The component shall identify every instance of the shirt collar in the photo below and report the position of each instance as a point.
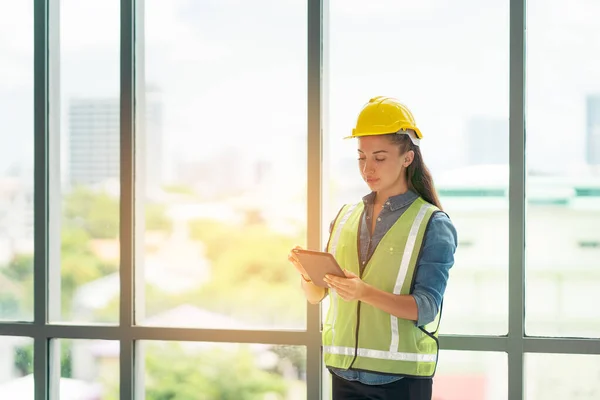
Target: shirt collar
(395, 202)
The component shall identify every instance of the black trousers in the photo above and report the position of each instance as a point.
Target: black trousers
(403, 389)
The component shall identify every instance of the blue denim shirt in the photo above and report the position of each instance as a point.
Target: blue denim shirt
(437, 257)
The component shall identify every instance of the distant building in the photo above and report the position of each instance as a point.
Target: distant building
(94, 155)
(593, 130)
(16, 214)
(94, 141)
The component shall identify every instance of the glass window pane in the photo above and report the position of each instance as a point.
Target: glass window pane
(89, 114)
(89, 369)
(563, 181)
(16, 161)
(562, 376)
(456, 84)
(470, 375)
(214, 371)
(16, 368)
(224, 163)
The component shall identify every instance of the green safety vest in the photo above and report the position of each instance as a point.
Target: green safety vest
(359, 336)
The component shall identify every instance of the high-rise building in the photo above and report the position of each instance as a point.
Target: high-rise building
(93, 140)
(94, 151)
(487, 141)
(593, 130)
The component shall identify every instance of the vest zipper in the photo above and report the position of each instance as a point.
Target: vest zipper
(361, 269)
(356, 338)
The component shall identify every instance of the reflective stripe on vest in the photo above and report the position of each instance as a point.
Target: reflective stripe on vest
(338, 231)
(408, 250)
(382, 355)
(334, 243)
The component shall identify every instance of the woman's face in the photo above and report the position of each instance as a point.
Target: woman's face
(381, 164)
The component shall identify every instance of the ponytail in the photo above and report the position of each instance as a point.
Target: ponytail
(418, 176)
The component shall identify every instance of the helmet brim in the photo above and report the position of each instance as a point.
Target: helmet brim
(416, 138)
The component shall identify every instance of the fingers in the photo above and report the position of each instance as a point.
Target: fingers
(346, 288)
(331, 282)
(350, 274)
(296, 263)
(292, 256)
(346, 296)
(337, 283)
(337, 280)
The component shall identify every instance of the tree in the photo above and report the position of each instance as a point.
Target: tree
(95, 212)
(218, 237)
(179, 189)
(91, 215)
(215, 374)
(18, 300)
(9, 305)
(251, 277)
(20, 268)
(296, 355)
(79, 265)
(156, 218)
(24, 359)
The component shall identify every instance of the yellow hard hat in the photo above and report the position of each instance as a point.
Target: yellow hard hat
(384, 115)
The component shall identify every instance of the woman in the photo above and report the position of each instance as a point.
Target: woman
(396, 247)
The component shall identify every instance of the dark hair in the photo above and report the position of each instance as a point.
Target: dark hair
(418, 175)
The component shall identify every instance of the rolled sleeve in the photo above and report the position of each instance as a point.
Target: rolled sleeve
(437, 257)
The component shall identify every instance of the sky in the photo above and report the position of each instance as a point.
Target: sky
(232, 73)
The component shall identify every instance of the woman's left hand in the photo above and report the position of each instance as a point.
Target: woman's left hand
(349, 288)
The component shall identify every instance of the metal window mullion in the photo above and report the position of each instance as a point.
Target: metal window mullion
(517, 175)
(139, 187)
(127, 198)
(295, 338)
(314, 181)
(550, 345)
(183, 334)
(45, 41)
(473, 343)
(561, 345)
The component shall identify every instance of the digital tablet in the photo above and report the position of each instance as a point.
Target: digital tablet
(317, 264)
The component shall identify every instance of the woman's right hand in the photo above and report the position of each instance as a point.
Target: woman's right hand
(314, 294)
(294, 260)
